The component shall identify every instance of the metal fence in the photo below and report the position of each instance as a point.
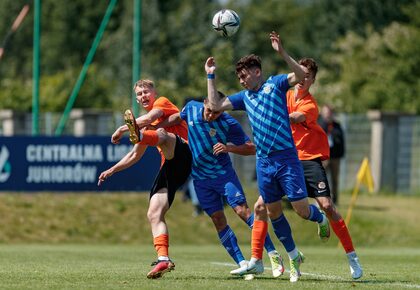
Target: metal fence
(357, 129)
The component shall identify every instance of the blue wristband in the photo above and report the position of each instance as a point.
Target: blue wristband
(211, 76)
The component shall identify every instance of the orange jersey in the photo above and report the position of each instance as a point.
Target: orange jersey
(310, 139)
(168, 108)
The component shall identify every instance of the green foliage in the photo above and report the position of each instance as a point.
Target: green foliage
(332, 19)
(16, 94)
(349, 39)
(377, 72)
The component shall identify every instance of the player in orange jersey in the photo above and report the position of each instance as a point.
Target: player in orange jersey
(175, 165)
(312, 146)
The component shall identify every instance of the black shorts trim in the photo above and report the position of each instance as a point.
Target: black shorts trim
(175, 172)
(315, 178)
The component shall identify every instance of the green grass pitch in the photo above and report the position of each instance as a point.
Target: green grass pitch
(197, 267)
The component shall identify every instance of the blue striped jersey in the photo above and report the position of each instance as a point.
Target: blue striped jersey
(203, 135)
(267, 114)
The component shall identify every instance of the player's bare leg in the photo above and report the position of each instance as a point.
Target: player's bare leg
(302, 208)
(166, 143)
(158, 207)
(341, 230)
(259, 231)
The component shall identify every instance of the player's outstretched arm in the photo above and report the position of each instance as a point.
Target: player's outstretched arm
(297, 117)
(215, 102)
(172, 120)
(128, 160)
(149, 118)
(298, 73)
(245, 149)
(117, 135)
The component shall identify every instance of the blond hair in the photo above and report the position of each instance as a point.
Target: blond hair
(144, 83)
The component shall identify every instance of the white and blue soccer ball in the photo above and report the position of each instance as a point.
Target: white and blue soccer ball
(226, 22)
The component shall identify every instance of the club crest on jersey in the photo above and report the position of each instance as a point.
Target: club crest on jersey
(212, 132)
(321, 185)
(267, 89)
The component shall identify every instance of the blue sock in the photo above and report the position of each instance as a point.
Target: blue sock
(268, 243)
(284, 232)
(315, 215)
(228, 239)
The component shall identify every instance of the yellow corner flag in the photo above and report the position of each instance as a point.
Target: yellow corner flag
(364, 176)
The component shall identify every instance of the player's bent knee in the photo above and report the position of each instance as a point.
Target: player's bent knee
(303, 213)
(243, 211)
(219, 220)
(328, 208)
(155, 215)
(259, 207)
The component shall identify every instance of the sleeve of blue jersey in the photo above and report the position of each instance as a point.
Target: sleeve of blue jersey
(237, 101)
(183, 113)
(281, 82)
(236, 134)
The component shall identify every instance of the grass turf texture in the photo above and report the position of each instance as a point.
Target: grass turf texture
(103, 241)
(197, 267)
(377, 220)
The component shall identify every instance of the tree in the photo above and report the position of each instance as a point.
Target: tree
(379, 71)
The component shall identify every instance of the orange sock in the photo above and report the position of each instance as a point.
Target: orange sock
(259, 231)
(161, 244)
(150, 137)
(342, 232)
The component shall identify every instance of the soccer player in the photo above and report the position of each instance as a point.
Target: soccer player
(336, 141)
(212, 135)
(312, 147)
(175, 167)
(278, 168)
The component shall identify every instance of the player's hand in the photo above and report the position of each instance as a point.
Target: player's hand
(104, 175)
(210, 65)
(116, 137)
(219, 148)
(276, 41)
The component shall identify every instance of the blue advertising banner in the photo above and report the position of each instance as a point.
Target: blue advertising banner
(71, 164)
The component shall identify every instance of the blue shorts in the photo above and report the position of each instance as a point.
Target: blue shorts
(281, 174)
(211, 193)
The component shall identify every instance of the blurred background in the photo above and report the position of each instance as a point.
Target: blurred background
(67, 68)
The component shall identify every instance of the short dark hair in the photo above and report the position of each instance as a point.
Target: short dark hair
(310, 64)
(248, 62)
(219, 94)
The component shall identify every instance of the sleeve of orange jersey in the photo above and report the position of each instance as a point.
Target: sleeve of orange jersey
(166, 106)
(310, 111)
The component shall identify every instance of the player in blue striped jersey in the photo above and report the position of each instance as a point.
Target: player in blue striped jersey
(211, 136)
(279, 171)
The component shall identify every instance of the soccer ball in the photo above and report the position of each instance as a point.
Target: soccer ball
(226, 22)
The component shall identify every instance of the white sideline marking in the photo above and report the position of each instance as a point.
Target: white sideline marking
(328, 277)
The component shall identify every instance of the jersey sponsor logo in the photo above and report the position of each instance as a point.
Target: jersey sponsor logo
(238, 194)
(191, 123)
(300, 190)
(212, 132)
(5, 167)
(322, 185)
